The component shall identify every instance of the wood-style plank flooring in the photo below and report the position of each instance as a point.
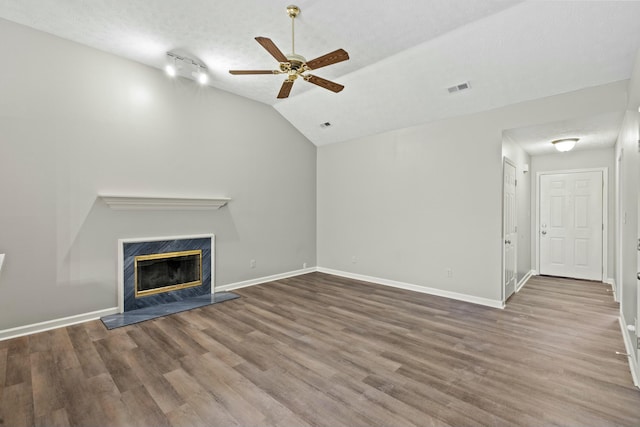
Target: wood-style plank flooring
(326, 351)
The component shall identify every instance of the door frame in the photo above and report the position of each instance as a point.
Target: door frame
(506, 160)
(605, 214)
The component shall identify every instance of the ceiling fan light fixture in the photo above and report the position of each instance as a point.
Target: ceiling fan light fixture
(565, 144)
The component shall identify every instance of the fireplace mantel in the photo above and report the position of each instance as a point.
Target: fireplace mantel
(163, 203)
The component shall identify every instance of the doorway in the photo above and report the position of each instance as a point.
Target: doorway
(509, 229)
(571, 224)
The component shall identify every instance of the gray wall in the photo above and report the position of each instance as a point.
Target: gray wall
(628, 199)
(629, 173)
(76, 122)
(409, 204)
(578, 160)
(521, 158)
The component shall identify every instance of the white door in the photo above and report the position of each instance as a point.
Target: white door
(571, 226)
(509, 226)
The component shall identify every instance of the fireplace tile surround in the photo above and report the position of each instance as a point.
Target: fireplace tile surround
(130, 248)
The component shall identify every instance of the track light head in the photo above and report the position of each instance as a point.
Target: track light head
(203, 78)
(170, 69)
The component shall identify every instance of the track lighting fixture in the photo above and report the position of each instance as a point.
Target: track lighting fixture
(181, 65)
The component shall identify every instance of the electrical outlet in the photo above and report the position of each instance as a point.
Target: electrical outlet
(304, 265)
(449, 272)
(252, 263)
(354, 259)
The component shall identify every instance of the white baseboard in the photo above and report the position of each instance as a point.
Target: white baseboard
(612, 282)
(34, 328)
(524, 280)
(259, 280)
(415, 288)
(630, 349)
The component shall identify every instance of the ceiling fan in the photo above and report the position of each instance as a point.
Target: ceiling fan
(294, 65)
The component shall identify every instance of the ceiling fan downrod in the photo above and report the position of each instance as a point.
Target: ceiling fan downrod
(293, 11)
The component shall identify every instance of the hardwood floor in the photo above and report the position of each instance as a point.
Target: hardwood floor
(327, 351)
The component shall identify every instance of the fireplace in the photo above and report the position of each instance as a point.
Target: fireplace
(167, 272)
(160, 270)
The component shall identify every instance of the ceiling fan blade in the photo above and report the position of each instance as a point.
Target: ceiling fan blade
(327, 84)
(272, 49)
(328, 59)
(242, 72)
(285, 89)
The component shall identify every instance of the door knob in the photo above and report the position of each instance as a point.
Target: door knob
(507, 242)
(543, 232)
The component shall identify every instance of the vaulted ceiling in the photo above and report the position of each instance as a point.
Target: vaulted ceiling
(404, 55)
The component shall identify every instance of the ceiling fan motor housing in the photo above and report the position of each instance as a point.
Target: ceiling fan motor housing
(296, 61)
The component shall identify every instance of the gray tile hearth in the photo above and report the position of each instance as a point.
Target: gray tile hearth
(135, 316)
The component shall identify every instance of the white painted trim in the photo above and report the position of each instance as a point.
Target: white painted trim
(120, 271)
(415, 288)
(605, 223)
(524, 280)
(605, 213)
(537, 228)
(629, 347)
(54, 324)
(163, 203)
(611, 281)
(265, 279)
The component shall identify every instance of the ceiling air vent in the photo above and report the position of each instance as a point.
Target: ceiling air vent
(459, 87)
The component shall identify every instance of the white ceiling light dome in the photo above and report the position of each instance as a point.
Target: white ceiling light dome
(565, 144)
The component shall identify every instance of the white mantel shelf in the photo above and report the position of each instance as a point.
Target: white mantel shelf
(163, 203)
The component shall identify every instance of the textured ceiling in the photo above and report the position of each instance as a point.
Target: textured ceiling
(403, 54)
